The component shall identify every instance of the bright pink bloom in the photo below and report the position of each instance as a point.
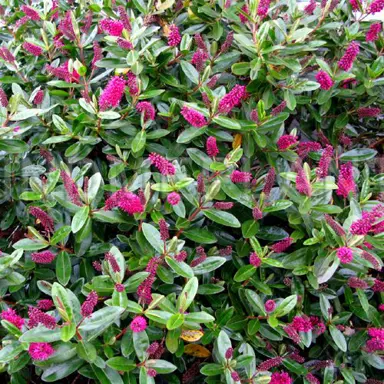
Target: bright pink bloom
(35, 50)
(318, 326)
(373, 33)
(349, 57)
(245, 9)
(211, 147)
(345, 255)
(71, 188)
(292, 334)
(270, 363)
(212, 81)
(375, 264)
(229, 353)
(227, 43)
(257, 214)
(138, 324)
(254, 260)
(151, 372)
(354, 5)
(30, 12)
(147, 108)
(240, 177)
(282, 245)
(89, 304)
(21, 22)
(302, 324)
(232, 99)
(334, 225)
(346, 182)
(376, 6)
(196, 119)
(153, 347)
(66, 27)
(263, 8)
(345, 140)
(181, 256)
(280, 108)
(368, 112)
(303, 186)
(227, 251)
(112, 262)
(199, 58)
(280, 378)
(45, 304)
(269, 306)
(44, 257)
(254, 116)
(174, 36)
(120, 287)
(200, 42)
(310, 8)
(325, 162)
(286, 141)
(269, 181)
(40, 351)
(63, 73)
(97, 265)
(202, 256)
(235, 376)
(162, 164)
(200, 184)
(144, 291)
(364, 225)
(6, 55)
(45, 220)
(11, 316)
(38, 99)
(378, 286)
(223, 205)
(112, 27)
(164, 233)
(132, 84)
(124, 44)
(312, 378)
(173, 198)
(324, 80)
(36, 317)
(381, 307)
(112, 93)
(97, 54)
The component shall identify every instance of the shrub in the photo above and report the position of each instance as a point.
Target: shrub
(191, 192)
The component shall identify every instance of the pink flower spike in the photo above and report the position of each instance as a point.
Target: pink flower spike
(38, 99)
(346, 62)
(112, 93)
(120, 287)
(199, 58)
(211, 147)
(240, 177)
(174, 36)
(71, 188)
(269, 306)
(282, 245)
(270, 363)
(40, 351)
(310, 8)
(302, 324)
(196, 119)
(345, 255)
(3, 98)
(269, 181)
(33, 49)
(232, 99)
(286, 142)
(112, 262)
(31, 13)
(280, 378)
(254, 260)
(112, 27)
(36, 317)
(45, 220)
(368, 112)
(162, 164)
(354, 5)
(11, 316)
(263, 8)
(223, 205)
(44, 257)
(376, 6)
(303, 185)
(245, 9)
(346, 182)
(147, 108)
(173, 198)
(89, 304)
(325, 162)
(280, 108)
(373, 33)
(324, 80)
(138, 324)
(45, 304)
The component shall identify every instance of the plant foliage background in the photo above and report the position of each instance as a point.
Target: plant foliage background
(191, 191)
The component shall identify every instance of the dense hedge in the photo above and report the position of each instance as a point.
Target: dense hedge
(190, 191)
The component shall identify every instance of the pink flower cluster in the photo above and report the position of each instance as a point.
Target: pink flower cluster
(376, 6)
(257, 213)
(144, 291)
(232, 99)
(36, 317)
(31, 13)
(181, 256)
(147, 108)
(33, 49)
(38, 99)
(303, 185)
(310, 8)
(280, 108)
(334, 225)
(202, 256)
(89, 304)
(282, 245)
(11, 316)
(45, 220)
(245, 9)
(196, 119)
(270, 363)
(173, 198)
(199, 58)
(325, 162)
(349, 57)
(285, 142)
(112, 27)
(254, 260)
(211, 147)
(111, 259)
(345, 254)
(223, 205)
(45, 304)
(71, 188)
(174, 37)
(376, 341)
(346, 182)
(373, 32)
(132, 84)
(263, 8)
(63, 73)
(162, 164)
(240, 177)
(127, 201)
(302, 324)
(44, 257)
(138, 324)
(229, 353)
(269, 307)
(269, 181)
(112, 93)
(280, 378)
(368, 112)
(66, 27)
(164, 233)
(40, 351)
(367, 223)
(324, 80)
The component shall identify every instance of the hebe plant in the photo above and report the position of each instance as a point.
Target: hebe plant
(191, 191)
